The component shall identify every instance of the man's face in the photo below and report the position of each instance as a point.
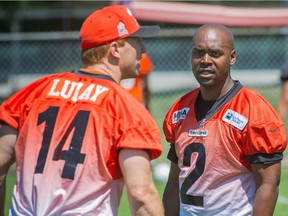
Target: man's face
(212, 56)
(130, 57)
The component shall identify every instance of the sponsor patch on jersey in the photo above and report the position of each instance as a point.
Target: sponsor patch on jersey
(201, 123)
(197, 133)
(237, 120)
(179, 114)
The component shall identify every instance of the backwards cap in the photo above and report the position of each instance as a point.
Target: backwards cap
(112, 23)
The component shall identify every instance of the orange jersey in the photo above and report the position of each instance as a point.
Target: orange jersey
(136, 85)
(214, 154)
(71, 128)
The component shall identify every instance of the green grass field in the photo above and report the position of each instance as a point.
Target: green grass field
(281, 207)
(160, 103)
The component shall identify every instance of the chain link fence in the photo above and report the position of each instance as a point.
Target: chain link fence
(260, 54)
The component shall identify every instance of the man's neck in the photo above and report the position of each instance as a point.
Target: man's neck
(107, 70)
(210, 93)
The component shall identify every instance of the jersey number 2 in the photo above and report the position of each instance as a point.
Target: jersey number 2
(194, 175)
(73, 155)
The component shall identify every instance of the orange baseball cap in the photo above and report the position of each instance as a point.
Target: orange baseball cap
(112, 23)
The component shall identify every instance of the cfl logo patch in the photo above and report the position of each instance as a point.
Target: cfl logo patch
(180, 114)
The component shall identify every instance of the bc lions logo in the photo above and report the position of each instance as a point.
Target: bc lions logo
(179, 114)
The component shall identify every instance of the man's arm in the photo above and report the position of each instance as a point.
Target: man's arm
(8, 137)
(267, 177)
(142, 194)
(171, 198)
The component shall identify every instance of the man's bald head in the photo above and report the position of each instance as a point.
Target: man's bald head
(213, 30)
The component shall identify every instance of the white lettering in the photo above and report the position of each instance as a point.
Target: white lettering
(87, 92)
(52, 90)
(71, 90)
(64, 93)
(78, 88)
(99, 90)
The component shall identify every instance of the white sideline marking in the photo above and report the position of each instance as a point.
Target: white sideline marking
(283, 200)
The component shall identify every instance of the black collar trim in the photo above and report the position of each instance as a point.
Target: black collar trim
(97, 76)
(221, 101)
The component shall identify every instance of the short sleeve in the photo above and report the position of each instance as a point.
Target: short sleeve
(167, 129)
(136, 127)
(17, 104)
(266, 132)
(142, 137)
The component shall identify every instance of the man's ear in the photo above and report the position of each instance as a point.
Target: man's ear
(114, 49)
(232, 57)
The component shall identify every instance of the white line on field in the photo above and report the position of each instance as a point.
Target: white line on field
(283, 200)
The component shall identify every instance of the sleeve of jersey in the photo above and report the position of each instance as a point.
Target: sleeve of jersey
(138, 129)
(10, 109)
(168, 132)
(266, 133)
(9, 114)
(167, 128)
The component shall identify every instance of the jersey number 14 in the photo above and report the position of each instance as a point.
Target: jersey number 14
(73, 155)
